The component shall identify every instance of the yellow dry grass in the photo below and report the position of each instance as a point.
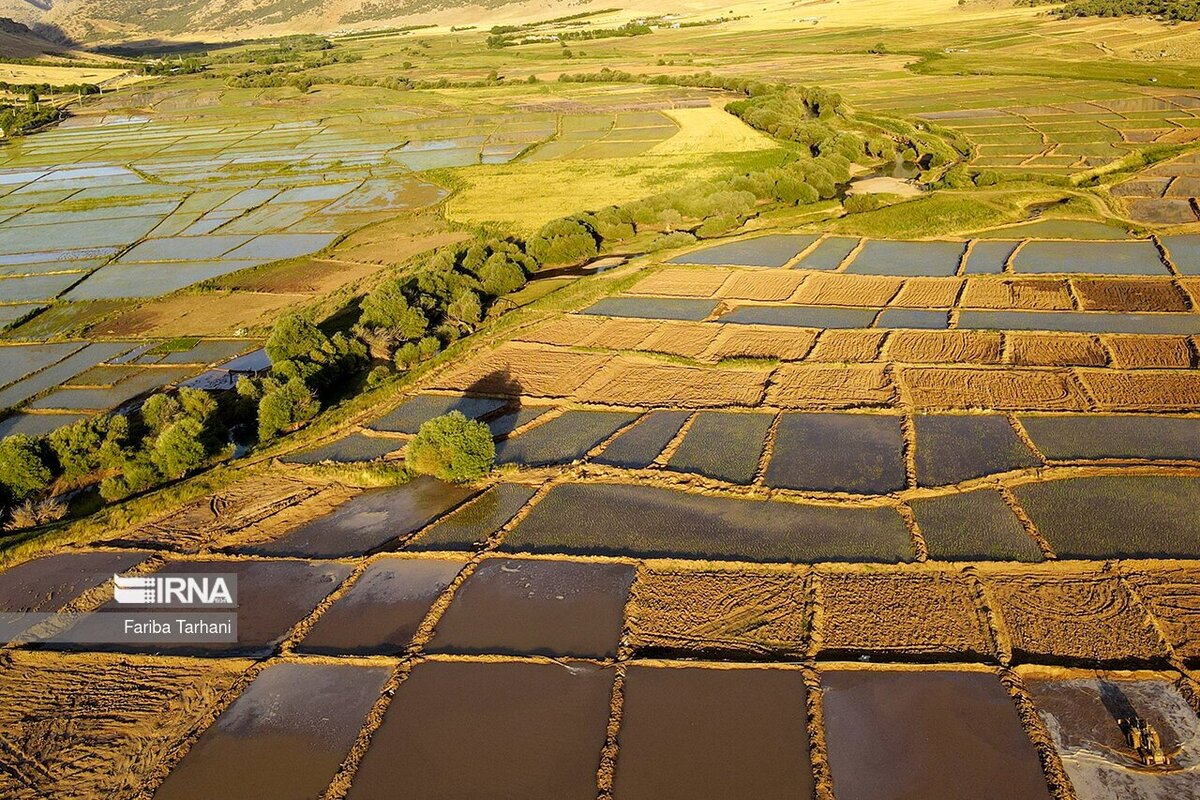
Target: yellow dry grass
(710, 130)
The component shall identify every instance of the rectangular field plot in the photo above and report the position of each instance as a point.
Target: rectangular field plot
(1080, 321)
(563, 439)
(383, 608)
(908, 258)
(151, 280)
(724, 446)
(48, 583)
(802, 316)
(989, 258)
(715, 613)
(537, 607)
(469, 526)
(1068, 437)
(369, 521)
(285, 736)
(957, 447)
(973, 526)
(36, 424)
(1097, 258)
(764, 251)
(1184, 252)
(641, 444)
(829, 254)
(1086, 617)
(91, 355)
(653, 308)
(272, 597)
(918, 318)
(101, 725)
(900, 615)
(528, 730)
(747, 734)
(17, 361)
(1085, 716)
(145, 380)
(1116, 516)
(857, 453)
(646, 521)
(936, 734)
(409, 415)
(356, 447)
(1172, 595)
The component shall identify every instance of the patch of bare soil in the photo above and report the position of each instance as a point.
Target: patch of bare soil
(208, 314)
(1000, 389)
(922, 615)
(717, 612)
(97, 726)
(829, 386)
(1129, 294)
(569, 330)
(259, 507)
(1150, 390)
(841, 289)
(1149, 352)
(687, 339)
(772, 285)
(681, 282)
(928, 293)
(762, 341)
(1059, 617)
(853, 346)
(1017, 294)
(944, 347)
(634, 381)
(1056, 350)
(622, 334)
(1173, 596)
(525, 369)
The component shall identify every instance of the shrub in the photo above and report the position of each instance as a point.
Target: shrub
(563, 241)
(452, 448)
(286, 406)
(23, 472)
(857, 203)
(31, 514)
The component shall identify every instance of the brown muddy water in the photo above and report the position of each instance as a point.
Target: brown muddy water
(926, 735)
(487, 731)
(369, 521)
(553, 608)
(694, 734)
(383, 609)
(284, 738)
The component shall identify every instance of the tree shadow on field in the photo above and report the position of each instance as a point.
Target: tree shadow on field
(497, 382)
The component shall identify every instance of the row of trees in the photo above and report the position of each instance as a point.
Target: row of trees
(1172, 10)
(168, 437)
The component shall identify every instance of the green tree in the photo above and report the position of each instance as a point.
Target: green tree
(284, 407)
(179, 449)
(159, 411)
(294, 337)
(23, 471)
(387, 307)
(563, 241)
(452, 448)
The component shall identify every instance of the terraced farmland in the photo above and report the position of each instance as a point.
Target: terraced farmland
(873, 496)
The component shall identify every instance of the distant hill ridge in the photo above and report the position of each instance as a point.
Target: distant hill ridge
(93, 20)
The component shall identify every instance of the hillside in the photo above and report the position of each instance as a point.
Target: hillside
(18, 41)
